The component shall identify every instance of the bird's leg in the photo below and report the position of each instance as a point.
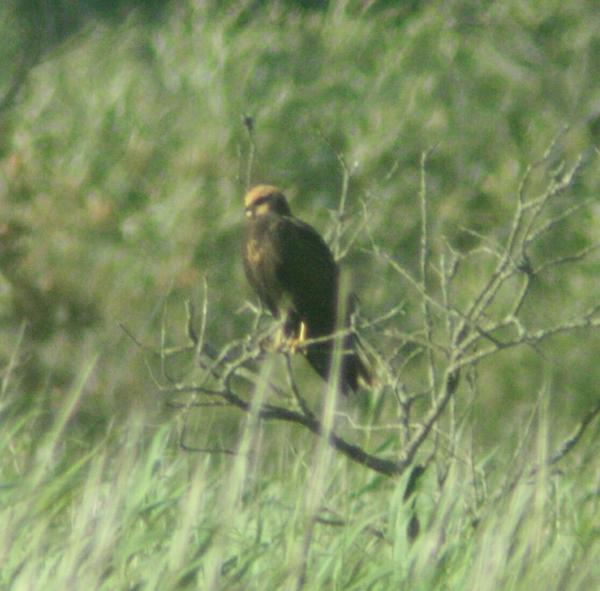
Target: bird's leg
(293, 332)
(296, 342)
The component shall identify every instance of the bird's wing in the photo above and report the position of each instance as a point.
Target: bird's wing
(260, 257)
(308, 272)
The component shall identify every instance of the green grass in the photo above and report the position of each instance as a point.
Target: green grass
(132, 511)
(122, 168)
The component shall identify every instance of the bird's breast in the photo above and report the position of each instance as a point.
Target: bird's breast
(254, 251)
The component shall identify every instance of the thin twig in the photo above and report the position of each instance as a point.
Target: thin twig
(573, 439)
(292, 383)
(571, 258)
(248, 122)
(423, 270)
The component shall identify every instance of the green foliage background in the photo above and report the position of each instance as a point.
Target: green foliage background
(122, 168)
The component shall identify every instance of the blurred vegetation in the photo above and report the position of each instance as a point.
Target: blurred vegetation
(125, 157)
(123, 161)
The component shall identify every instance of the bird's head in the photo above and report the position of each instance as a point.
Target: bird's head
(265, 199)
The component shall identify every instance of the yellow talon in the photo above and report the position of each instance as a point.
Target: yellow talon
(295, 343)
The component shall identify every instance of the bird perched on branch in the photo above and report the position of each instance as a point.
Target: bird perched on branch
(295, 275)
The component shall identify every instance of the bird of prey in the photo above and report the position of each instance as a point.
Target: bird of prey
(295, 275)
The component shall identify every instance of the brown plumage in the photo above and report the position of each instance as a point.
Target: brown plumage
(293, 271)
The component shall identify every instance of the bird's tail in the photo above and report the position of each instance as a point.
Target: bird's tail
(355, 371)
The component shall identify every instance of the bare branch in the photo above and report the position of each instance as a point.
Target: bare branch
(354, 452)
(587, 320)
(417, 285)
(571, 258)
(340, 214)
(206, 450)
(451, 341)
(187, 405)
(449, 386)
(573, 439)
(552, 222)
